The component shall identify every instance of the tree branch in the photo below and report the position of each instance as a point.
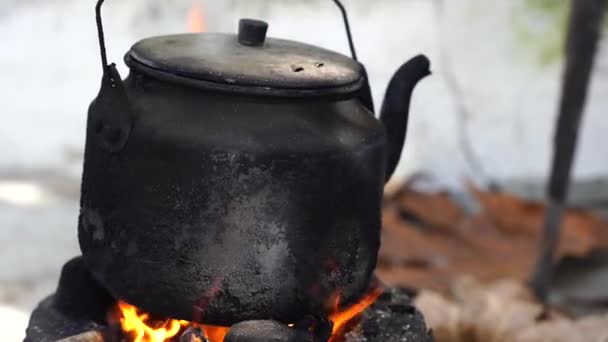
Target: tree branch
(585, 25)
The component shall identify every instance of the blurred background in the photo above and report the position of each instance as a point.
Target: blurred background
(486, 116)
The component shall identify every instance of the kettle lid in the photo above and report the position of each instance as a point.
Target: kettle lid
(247, 63)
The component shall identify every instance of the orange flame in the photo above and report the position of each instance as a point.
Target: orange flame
(137, 324)
(196, 18)
(342, 318)
(141, 328)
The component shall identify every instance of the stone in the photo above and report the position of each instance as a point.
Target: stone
(265, 331)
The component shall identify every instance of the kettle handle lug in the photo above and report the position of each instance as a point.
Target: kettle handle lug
(110, 115)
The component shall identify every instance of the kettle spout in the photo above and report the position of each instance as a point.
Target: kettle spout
(395, 109)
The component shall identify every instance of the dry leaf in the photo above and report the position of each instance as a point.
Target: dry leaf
(580, 230)
(428, 241)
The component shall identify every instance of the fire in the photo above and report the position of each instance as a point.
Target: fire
(140, 327)
(196, 18)
(341, 318)
(215, 334)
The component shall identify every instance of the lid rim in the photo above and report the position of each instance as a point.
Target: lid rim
(219, 60)
(241, 89)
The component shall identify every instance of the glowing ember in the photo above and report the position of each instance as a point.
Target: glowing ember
(196, 18)
(215, 334)
(139, 327)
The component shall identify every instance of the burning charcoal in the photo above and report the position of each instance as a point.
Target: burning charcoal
(79, 295)
(49, 324)
(318, 327)
(193, 334)
(392, 318)
(77, 312)
(265, 331)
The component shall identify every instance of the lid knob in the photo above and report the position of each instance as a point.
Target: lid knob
(252, 32)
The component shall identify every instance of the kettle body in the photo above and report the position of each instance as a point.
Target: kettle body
(223, 208)
(231, 178)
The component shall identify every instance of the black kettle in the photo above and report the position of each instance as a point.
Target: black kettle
(236, 177)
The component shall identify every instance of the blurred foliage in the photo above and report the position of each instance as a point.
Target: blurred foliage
(541, 26)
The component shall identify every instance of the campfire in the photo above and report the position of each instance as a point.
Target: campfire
(138, 326)
(82, 310)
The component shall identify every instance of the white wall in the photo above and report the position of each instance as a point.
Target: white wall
(50, 72)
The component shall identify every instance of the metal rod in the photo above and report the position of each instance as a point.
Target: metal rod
(584, 30)
(102, 42)
(348, 31)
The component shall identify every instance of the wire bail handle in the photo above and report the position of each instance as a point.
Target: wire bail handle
(351, 44)
(102, 43)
